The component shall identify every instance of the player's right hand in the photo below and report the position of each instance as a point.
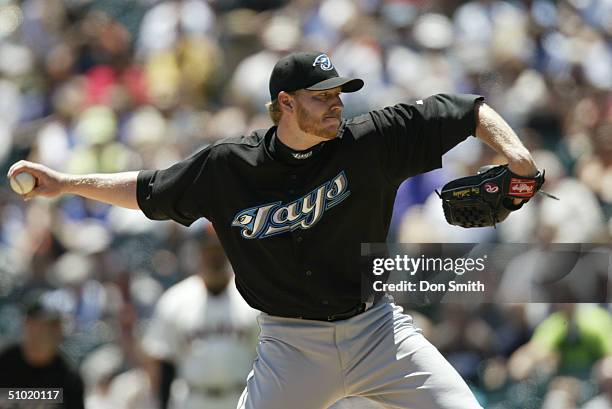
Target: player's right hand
(49, 183)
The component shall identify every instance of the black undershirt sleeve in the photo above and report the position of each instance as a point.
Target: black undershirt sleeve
(413, 137)
(178, 193)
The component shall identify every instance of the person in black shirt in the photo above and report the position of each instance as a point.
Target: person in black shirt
(291, 205)
(36, 361)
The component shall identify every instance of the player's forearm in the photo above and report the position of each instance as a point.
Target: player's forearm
(495, 132)
(118, 189)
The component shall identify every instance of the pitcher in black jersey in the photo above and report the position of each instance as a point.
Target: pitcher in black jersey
(291, 205)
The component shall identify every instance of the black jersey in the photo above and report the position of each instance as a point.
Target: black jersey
(292, 222)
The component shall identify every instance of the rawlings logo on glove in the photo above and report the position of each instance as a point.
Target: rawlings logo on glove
(522, 187)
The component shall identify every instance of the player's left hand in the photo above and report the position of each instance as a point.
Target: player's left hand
(525, 167)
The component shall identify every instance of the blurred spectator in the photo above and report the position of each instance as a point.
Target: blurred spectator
(111, 386)
(563, 393)
(202, 336)
(36, 361)
(569, 341)
(603, 376)
(464, 339)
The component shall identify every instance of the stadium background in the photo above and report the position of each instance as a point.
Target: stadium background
(113, 85)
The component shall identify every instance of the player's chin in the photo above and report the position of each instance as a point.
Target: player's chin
(329, 128)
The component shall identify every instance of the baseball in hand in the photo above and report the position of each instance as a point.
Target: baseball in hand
(23, 183)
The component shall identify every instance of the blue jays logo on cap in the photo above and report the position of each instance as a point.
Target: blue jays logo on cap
(323, 61)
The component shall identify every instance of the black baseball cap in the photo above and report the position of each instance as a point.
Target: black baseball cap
(313, 71)
(41, 305)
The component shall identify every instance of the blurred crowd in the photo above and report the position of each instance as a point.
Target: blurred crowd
(91, 86)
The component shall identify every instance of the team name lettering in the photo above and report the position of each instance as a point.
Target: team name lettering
(275, 218)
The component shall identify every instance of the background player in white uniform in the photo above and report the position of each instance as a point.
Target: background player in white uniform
(204, 328)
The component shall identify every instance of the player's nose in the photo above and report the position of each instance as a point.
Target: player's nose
(337, 104)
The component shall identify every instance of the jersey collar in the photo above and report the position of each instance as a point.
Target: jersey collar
(284, 153)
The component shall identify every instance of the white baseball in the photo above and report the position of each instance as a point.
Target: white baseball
(23, 183)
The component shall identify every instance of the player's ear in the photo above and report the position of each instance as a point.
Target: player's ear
(286, 102)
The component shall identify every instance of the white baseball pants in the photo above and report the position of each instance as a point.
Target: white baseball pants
(378, 355)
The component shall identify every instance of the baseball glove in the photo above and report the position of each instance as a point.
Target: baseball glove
(487, 197)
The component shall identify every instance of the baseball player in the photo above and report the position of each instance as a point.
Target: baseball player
(291, 205)
(204, 332)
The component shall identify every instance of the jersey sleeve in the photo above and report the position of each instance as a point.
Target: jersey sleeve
(179, 193)
(413, 137)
